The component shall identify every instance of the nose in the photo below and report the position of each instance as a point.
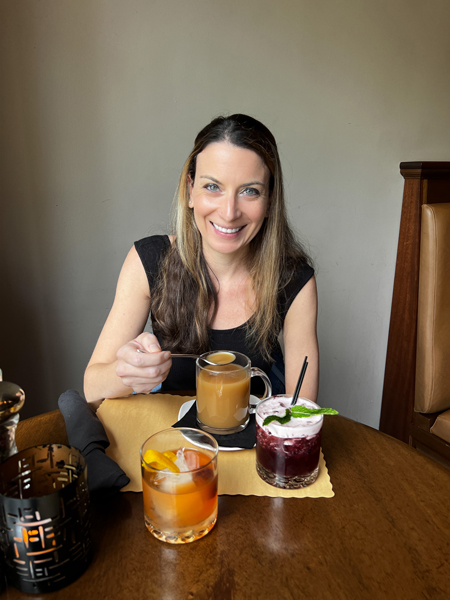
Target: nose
(229, 209)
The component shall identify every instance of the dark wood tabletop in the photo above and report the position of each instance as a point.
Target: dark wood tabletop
(385, 534)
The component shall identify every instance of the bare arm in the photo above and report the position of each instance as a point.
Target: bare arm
(300, 340)
(116, 368)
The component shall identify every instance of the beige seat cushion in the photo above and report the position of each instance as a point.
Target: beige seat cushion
(433, 325)
(441, 426)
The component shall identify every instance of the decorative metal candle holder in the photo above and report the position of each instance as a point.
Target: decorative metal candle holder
(44, 518)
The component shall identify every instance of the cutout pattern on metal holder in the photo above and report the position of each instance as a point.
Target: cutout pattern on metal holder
(44, 518)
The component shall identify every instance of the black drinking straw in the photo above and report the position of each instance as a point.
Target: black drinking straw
(300, 381)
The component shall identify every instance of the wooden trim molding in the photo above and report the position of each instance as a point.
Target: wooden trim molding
(425, 170)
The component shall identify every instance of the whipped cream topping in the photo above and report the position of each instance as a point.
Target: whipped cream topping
(295, 428)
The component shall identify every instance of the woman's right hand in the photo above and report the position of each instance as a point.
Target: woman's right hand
(141, 364)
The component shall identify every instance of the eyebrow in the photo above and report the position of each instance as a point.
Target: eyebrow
(211, 178)
(220, 183)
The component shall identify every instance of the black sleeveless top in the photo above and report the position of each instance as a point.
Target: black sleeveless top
(151, 251)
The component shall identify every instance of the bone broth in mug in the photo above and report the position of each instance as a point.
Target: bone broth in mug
(223, 391)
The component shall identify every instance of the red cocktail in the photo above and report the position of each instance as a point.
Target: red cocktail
(287, 455)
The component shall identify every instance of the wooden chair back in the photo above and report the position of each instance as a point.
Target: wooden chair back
(48, 428)
(425, 183)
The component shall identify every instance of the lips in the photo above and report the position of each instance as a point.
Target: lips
(225, 229)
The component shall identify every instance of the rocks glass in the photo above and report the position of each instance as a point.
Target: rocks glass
(179, 481)
(287, 455)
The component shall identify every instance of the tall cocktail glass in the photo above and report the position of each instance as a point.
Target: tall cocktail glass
(287, 455)
(179, 481)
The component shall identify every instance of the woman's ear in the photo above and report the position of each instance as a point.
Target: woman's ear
(190, 186)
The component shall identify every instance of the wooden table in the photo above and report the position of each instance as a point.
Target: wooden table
(385, 534)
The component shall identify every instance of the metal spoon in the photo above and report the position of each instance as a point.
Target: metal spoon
(209, 362)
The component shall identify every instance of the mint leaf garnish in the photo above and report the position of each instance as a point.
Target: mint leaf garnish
(281, 420)
(302, 411)
(299, 412)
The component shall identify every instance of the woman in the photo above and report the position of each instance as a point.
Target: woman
(231, 278)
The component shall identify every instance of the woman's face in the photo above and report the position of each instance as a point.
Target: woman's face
(230, 197)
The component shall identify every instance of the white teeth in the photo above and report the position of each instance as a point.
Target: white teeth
(223, 230)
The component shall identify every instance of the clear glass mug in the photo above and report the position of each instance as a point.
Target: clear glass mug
(223, 392)
(180, 504)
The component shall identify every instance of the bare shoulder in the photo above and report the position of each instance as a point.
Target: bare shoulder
(301, 318)
(306, 298)
(172, 239)
(132, 275)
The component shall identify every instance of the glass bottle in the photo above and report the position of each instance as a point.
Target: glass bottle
(12, 398)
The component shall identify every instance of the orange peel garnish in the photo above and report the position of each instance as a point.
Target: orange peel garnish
(170, 455)
(160, 461)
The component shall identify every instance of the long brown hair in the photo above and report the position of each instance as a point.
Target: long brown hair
(184, 301)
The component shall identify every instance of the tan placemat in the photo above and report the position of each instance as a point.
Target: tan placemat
(130, 421)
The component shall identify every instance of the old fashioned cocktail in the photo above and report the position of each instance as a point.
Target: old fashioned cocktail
(179, 481)
(287, 454)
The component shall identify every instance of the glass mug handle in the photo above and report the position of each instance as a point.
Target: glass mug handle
(255, 372)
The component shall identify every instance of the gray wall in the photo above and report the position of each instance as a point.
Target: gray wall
(100, 103)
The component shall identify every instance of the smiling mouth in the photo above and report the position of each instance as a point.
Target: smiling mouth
(225, 230)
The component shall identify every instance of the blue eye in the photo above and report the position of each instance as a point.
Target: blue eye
(211, 187)
(250, 192)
